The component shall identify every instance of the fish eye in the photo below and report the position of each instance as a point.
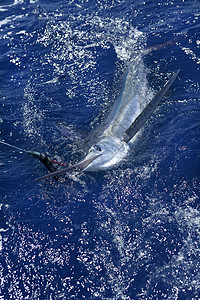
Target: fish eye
(97, 148)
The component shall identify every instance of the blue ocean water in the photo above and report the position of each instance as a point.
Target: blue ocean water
(132, 232)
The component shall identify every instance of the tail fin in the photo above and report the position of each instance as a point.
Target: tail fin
(163, 45)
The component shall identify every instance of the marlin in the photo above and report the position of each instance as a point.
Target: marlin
(110, 143)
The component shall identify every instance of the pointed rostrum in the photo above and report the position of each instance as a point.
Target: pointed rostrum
(79, 166)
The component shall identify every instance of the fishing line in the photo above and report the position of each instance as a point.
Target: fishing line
(43, 158)
(58, 163)
(15, 147)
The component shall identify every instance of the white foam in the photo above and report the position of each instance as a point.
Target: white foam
(9, 20)
(5, 21)
(191, 53)
(21, 32)
(1, 244)
(6, 7)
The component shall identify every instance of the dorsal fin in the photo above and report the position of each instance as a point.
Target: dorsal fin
(149, 109)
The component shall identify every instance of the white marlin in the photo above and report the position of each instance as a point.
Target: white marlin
(111, 140)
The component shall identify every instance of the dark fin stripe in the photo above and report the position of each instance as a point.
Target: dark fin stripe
(149, 109)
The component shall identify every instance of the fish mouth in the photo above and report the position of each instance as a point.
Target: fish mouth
(80, 166)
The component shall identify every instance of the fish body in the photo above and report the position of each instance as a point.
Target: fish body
(108, 140)
(125, 120)
(110, 143)
(112, 150)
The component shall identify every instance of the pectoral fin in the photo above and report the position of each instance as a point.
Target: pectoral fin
(149, 109)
